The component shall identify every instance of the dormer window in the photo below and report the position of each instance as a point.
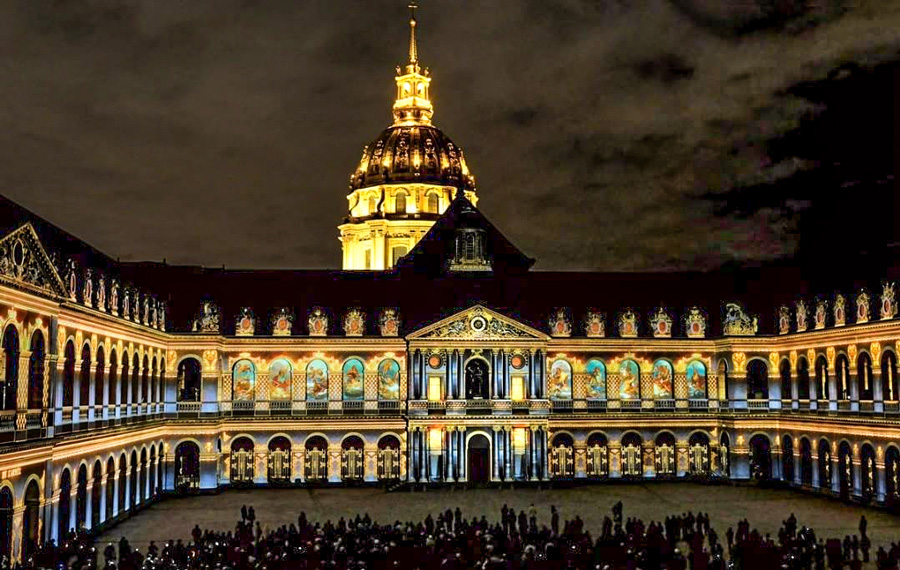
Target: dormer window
(469, 253)
(372, 205)
(400, 206)
(431, 203)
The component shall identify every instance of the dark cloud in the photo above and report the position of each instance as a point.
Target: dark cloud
(604, 134)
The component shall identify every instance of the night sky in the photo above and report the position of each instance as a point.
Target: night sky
(603, 134)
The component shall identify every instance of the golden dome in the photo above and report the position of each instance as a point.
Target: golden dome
(412, 154)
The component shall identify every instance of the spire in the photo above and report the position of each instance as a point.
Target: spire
(413, 52)
(413, 103)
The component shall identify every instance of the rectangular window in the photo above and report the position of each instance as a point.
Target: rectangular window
(517, 388)
(434, 389)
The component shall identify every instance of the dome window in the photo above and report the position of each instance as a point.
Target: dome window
(400, 206)
(432, 204)
(469, 254)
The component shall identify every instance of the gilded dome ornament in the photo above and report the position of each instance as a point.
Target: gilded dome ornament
(595, 324)
(695, 323)
(784, 319)
(208, 319)
(821, 311)
(354, 323)
(560, 323)
(840, 314)
(862, 307)
(628, 324)
(661, 323)
(802, 316)
(389, 322)
(318, 322)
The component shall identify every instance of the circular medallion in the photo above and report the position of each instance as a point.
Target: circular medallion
(595, 328)
(435, 361)
(282, 324)
(478, 324)
(18, 253)
(245, 323)
(629, 328)
(517, 361)
(695, 328)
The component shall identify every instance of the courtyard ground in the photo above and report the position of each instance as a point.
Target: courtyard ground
(764, 508)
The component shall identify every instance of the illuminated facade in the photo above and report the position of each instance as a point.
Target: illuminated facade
(121, 382)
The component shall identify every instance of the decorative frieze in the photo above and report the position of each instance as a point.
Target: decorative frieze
(245, 324)
(282, 322)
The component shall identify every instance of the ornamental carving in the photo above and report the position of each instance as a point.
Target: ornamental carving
(594, 324)
(318, 322)
(209, 360)
(862, 307)
(114, 297)
(282, 322)
(830, 355)
(146, 310)
(389, 322)
(737, 322)
(560, 323)
(153, 306)
(135, 306)
(810, 356)
(126, 303)
(72, 279)
(888, 302)
(661, 324)
(354, 323)
(739, 361)
(245, 324)
(88, 292)
(821, 311)
(208, 319)
(875, 349)
(695, 323)
(802, 316)
(851, 353)
(101, 292)
(840, 314)
(773, 360)
(480, 323)
(23, 259)
(161, 316)
(793, 358)
(784, 320)
(628, 324)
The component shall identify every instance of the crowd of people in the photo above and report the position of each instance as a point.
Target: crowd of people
(451, 541)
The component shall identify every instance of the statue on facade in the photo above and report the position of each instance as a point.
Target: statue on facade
(245, 324)
(737, 322)
(208, 320)
(389, 322)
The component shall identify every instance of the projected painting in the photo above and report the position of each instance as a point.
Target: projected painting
(629, 380)
(317, 381)
(354, 374)
(389, 380)
(280, 375)
(559, 382)
(596, 381)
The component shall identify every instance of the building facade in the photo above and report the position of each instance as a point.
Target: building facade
(459, 365)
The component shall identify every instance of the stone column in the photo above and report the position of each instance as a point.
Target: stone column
(798, 466)
(856, 467)
(507, 448)
(89, 505)
(106, 381)
(116, 483)
(615, 459)
(832, 387)
(854, 391)
(682, 458)
(73, 508)
(815, 470)
(54, 518)
(464, 456)
(103, 483)
(835, 470)
(880, 478)
(17, 531)
(738, 387)
(495, 453)
(92, 378)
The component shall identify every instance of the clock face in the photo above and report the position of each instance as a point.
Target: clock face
(434, 361)
(478, 324)
(282, 323)
(517, 362)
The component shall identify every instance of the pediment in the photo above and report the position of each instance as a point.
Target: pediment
(24, 261)
(478, 323)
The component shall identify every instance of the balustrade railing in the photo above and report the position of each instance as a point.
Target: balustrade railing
(698, 404)
(8, 420)
(280, 406)
(596, 405)
(664, 404)
(758, 404)
(353, 406)
(630, 404)
(843, 405)
(867, 406)
(33, 419)
(188, 407)
(892, 407)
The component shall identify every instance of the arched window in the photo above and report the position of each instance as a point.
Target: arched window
(397, 252)
(842, 380)
(825, 474)
(96, 477)
(84, 379)
(806, 463)
(31, 520)
(280, 378)
(802, 379)
(665, 455)
(889, 387)
(354, 374)
(698, 454)
(352, 459)
(145, 381)
(864, 377)
(632, 456)
(317, 381)
(68, 388)
(110, 489)
(187, 466)
(822, 379)
(760, 458)
(65, 504)
(784, 370)
(244, 380)
(787, 459)
(559, 380)
(629, 380)
(597, 465)
(11, 379)
(388, 380)
(663, 380)
(279, 461)
(124, 382)
(242, 462)
(562, 457)
(477, 379)
(432, 203)
(189, 380)
(596, 381)
(388, 458)
(135, 379)
(36, 372)
(757, 380)
(400, 206)
(99, 377)
(373, 205)
(696, 380)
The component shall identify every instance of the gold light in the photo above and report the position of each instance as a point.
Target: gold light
(519, 441)
(435, 440)
(434, 389)
(517, 392)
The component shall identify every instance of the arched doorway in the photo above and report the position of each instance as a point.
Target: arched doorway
(787, 459)
(477, 376)
(133, 482)
(698, 454)
(803, 379)
(189, 380)
(388, 458)
(892, 474)
(31, 520)
(842, 369)
(757, 380)
(142, 488)
(867, 471)
(279, 461)
(632, 456)
(725, 454)
(478, 459)
(352, 463)
(64, 506)
(760, 458)
(562, 457)
(11, 368)
(81, 498)
(845, 470)
(664, 456)
(6, 516)
(187, 467)
(597, 456)
(96, 489)
(824, 465)
(110, 489)
(316, 463)
(806, 463)
(242, 461)
(84, 384)
(152, 472)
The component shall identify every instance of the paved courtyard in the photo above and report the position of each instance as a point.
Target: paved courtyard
(765, 508)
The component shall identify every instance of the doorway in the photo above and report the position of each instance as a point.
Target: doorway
(478, 459)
